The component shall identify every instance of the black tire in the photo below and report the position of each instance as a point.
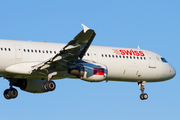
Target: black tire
(44, 86)
(142, 97)
(13, 93)
(145, 96)
(6, 95)
(51, 85)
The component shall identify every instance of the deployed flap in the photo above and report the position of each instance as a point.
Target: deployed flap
(75, 49)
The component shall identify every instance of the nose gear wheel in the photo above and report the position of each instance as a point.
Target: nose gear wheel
(143, 96)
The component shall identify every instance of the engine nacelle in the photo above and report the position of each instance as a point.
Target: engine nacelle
(29, 85)
(91, 72)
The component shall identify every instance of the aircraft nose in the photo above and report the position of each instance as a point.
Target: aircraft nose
(172, 72)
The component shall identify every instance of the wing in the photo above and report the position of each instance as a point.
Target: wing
(70, 53)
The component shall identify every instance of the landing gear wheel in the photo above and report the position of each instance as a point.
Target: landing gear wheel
(143, 96)
(10, 93)
(44, 87)
(50, 85)
(13, 93)
(6, 95)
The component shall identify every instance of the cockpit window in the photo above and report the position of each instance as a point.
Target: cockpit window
(163, 60)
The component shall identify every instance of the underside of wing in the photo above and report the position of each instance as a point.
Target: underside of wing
(70, 53)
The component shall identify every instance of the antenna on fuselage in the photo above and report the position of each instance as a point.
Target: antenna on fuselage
(138, 47)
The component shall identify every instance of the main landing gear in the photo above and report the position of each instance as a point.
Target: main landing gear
(143, 95)
(49, 85)
(11, 92)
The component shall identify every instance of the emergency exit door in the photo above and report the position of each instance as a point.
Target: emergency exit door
(93, 56)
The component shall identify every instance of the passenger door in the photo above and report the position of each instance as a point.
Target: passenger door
(18, 53)
(152, 62)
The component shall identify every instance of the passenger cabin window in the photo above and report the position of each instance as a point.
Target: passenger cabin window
(163, 60)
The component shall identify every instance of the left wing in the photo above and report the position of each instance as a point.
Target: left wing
(73, 51)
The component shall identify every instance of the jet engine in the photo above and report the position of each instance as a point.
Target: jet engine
(91, 72)
(29, 85)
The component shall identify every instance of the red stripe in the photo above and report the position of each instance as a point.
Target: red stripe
(98, 71)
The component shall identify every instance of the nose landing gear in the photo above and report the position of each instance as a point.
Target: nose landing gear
(143, 95)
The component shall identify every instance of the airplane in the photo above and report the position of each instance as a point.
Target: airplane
(32, 66)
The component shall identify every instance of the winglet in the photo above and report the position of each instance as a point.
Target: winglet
(85, 28)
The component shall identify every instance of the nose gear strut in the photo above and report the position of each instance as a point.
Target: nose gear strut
(143, 96)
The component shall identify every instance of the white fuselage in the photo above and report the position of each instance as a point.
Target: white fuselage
(123, 64)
